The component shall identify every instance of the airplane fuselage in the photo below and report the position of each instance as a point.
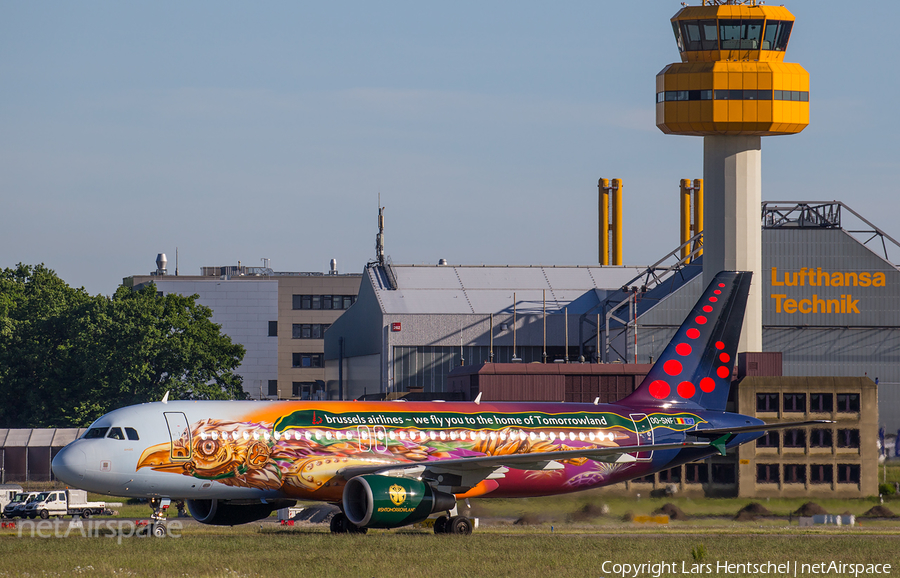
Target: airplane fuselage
(299, 450)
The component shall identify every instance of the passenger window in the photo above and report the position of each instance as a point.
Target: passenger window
(95, 433)
(115, 433)
(132, 433)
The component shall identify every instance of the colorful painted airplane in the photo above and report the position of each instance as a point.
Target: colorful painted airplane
(391, 464)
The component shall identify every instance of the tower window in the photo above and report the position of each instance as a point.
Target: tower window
(740, 34)
(777, 34)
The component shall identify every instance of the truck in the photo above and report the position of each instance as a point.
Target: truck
(8, 493)
(16, 508)
(63, 502)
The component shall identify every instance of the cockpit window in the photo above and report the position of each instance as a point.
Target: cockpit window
(132, 433)
(115, 433)
(95, 433)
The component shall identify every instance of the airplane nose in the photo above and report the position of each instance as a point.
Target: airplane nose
(68, 465)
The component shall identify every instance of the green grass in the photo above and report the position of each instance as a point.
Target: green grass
(249, 552)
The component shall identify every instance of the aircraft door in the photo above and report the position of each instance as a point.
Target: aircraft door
(380, 440)
(644, 432)
(364, 437)
(179, 436)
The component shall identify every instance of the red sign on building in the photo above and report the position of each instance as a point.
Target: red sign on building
(395, 326)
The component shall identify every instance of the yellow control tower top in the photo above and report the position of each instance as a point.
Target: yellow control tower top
(732, 78)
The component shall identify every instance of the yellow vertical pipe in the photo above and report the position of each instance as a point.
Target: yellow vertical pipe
(685, 199)
(603, 189)
(698, 210)
(617, 221)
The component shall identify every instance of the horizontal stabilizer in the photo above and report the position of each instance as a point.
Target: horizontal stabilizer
(718, 432)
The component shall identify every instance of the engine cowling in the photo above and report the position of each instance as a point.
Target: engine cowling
(230, 513)
(388, 502)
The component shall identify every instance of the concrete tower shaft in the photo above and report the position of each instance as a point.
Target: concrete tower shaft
(732, 235)
(732, 87)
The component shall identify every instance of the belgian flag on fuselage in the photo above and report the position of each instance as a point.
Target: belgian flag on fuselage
(695, 368)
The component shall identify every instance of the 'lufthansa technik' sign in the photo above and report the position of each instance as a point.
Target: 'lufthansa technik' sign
(832, 300)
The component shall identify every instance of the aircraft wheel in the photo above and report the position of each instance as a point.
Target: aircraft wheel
(339, 523)
(460, 525)
(159, 530)
(357, 529)
(441, 525)
(44, 514)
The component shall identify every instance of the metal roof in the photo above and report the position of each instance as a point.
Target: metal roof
(39, 437)
(484, 289)
(65, 436)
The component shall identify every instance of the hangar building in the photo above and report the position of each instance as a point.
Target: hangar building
(831, 306)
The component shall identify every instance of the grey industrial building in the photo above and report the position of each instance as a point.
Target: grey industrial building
(831, 306)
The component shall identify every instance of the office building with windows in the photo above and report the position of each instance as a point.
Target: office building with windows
(279, 317)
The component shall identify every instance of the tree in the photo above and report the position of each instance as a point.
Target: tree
(67, 357)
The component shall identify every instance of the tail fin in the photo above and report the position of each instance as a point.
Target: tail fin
(696, 366)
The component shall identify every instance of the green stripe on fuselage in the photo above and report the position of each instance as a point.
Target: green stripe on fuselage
(314, 418)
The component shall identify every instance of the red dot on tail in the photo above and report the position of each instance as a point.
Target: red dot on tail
(717, 292)
(713, 299)
(720, 345)
(683, 349)
(686, 389)
(723, 372)
(707, 308)
(693, 333)
(672, 367)
(721, 284)
(724, 357)
(700, 319)
(659, 389)
(707, 384)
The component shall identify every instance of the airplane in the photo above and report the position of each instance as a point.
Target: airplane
(391, 464)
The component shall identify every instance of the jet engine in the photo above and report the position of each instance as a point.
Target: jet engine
(233, 512)
(388, 502)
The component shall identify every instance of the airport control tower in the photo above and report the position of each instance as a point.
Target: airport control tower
(732, 87)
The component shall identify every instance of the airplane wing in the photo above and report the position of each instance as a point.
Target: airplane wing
(458, 475)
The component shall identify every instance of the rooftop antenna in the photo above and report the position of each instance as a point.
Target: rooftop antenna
(379, 239)
(176, 261)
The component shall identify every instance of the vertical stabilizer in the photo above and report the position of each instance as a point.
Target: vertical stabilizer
(696, 367)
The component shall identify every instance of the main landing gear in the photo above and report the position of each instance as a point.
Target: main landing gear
(453, 525)
(341, 525)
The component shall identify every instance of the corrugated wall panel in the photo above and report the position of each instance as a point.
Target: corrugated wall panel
(825, 277)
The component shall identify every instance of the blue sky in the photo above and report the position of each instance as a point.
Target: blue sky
(238, 132)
